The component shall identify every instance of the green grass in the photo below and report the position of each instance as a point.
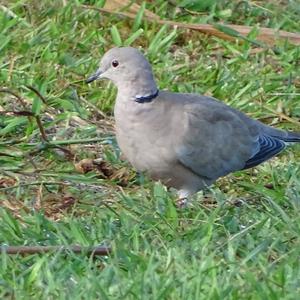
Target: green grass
(241, 241)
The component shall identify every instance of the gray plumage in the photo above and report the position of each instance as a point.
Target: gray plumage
(185, 140)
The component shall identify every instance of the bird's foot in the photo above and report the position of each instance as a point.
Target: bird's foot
(182, 203)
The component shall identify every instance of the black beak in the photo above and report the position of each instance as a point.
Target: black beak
(93, 77)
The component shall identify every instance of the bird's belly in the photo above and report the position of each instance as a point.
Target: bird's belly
(154, 156)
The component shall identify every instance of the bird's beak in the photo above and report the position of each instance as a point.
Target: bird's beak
(94, 76)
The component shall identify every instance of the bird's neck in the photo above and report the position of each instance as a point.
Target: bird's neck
(132, 102)
(146, 98)
(140, 89)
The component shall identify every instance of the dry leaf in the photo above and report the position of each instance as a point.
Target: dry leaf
(55, 204)
(7, 182)
(105, 170)
(84, 166)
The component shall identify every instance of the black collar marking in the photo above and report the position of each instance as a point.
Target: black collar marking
(146, 99)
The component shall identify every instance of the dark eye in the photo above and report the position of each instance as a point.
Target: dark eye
(114, 63)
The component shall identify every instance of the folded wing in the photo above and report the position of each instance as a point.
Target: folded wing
(217, 140)
(268, 146)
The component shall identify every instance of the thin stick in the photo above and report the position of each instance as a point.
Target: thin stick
(41, 128)
(23, 250)
(62, 142)
(20, 99)
(266, 34)
(17, 113)
(37, 93)
(70, 142)
(283, 116)
(27, 113)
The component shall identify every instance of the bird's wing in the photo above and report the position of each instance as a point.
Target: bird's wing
(217, 139)
(268, 146)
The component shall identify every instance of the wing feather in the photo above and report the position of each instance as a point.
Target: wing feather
(217, 140)
(268, 147)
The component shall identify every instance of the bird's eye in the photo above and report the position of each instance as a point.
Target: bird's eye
(114, 63)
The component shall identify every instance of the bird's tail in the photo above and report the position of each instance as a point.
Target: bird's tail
(285, 136)
(291, 137)
(288, 136)
(271, 142)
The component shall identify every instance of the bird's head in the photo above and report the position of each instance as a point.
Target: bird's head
(128, 69)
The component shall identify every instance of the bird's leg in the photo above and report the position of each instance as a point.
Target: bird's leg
(183, 198)
(182, 203)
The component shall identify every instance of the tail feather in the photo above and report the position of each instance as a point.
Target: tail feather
(285, 136)
(291, 137)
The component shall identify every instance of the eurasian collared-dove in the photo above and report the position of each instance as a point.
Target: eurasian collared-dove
(185, 140)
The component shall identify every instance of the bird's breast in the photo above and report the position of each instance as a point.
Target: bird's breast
(140, 136)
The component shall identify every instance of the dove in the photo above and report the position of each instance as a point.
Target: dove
(187, 141)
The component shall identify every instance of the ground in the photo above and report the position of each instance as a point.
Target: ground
(63, 180)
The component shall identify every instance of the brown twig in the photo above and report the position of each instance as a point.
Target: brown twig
(37, 93)
(266, 35)
(11, 68)
(41, 128)
(49, 145)
(30, 115)
(23, 250)
(8, 91)
(17, 113)
(6, 154)
(283, 116)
